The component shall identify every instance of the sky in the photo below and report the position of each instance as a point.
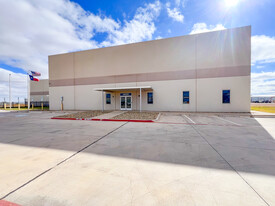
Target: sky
(31, 30)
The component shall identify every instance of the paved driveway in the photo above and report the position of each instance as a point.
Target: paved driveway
(196, 159)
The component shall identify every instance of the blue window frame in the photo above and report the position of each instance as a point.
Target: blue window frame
(185, 97)
(108, 98)
(225, 96)
(150, 98)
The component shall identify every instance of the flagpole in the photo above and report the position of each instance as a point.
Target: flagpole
(10, 89)
(30, 78)
(29, 95)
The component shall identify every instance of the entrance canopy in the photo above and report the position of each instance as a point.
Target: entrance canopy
(140, 88)
(114, 89)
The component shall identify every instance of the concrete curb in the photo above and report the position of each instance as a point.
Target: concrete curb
(106, 120)
(123, 120)
(158, 117)
(263, 116)
(6, 203)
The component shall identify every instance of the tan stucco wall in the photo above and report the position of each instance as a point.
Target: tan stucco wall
(167, 96)
(39, 90)
(204, 64)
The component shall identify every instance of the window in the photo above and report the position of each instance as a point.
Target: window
(150, 98)
(225, 96)
(186, 97)
(108, 98)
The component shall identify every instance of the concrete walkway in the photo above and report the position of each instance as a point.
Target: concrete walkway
(67, 163)
(258, 114)
(109, 115)
(4, 110)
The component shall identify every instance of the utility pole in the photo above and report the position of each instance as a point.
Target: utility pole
(18, 104)
(10, 89)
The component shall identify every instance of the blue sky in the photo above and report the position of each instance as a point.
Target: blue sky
(35, 29)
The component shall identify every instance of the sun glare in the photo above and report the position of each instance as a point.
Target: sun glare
(231, 3)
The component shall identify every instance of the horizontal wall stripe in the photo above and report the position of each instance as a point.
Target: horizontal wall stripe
(157, 76)
(40, 93)
(223, 72)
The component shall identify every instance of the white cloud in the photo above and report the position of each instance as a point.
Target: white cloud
(35, 29)
(179, 3)
(158, 37)
(202, 27)
(175, 14)
(141, 27)
(263, 49)
(18, 86)
(259, 67)
(263, 83)
(31, 30)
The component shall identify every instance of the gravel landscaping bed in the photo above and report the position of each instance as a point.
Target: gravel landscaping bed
(88, 114)
(137, 116)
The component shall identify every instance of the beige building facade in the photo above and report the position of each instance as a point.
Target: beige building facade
(39, 91)
(207, 72)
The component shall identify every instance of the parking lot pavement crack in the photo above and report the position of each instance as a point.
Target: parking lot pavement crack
(66, 159)
(229, 164)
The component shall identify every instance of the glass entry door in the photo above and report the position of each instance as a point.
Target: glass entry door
(126, 103)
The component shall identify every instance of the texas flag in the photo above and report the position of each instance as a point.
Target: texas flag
(34, 79)
(34, 73)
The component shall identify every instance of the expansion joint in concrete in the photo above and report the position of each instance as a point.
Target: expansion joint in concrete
(51, 168)
(229, 164)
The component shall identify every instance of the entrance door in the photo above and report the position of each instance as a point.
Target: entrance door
(126, 103)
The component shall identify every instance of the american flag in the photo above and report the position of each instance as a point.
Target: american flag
(34, 73)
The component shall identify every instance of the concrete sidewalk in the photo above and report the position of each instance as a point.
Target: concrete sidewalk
(258, 114)
(109, 115)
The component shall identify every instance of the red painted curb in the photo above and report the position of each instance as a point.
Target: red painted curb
(122, 120)
(110, 120)
(132, 120)
(6, 203)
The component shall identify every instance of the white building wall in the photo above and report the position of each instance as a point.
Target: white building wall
(68, 98)
(209, 94)
(203, 64)
(39, 91)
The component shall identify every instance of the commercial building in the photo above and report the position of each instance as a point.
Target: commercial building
(207, 72)
(39, 92)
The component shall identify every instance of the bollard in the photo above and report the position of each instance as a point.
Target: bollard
(42, 106)
(5, 106)
(62, 99)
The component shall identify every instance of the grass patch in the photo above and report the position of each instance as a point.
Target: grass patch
(263, 109)
(137, 116)
(80, 115)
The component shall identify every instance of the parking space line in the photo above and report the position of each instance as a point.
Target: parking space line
(228, 121)
(190, 119)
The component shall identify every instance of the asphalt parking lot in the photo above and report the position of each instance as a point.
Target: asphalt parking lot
(183, 159)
